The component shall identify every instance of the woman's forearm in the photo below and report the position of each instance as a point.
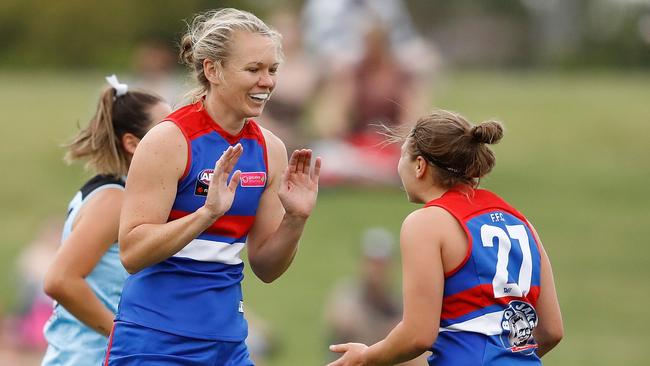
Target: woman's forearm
(270, 259)
(399, 346)
(78, 298)
(148, 244)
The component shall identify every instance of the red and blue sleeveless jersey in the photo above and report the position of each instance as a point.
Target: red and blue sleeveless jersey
(488, 309)
(196, 292)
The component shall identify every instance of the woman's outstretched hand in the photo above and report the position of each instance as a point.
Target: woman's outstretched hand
(221, 193)
(299, 186)
(352, 354)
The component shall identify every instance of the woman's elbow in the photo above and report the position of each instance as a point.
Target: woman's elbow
(423, 343)
(555, 337)
(130, 254)
(550, 337)
(128, 264)
(267, 280)
(422, 338)
(54, 284)
(265, 277)
(260, 270)
(128, 261)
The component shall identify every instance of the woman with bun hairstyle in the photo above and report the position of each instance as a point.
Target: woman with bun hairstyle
(86, 277)
(478, 285)
(204, 184)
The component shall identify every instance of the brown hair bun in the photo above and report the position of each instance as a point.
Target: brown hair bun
(488, 132)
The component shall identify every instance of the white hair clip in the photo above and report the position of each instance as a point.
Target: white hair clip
(120, 89)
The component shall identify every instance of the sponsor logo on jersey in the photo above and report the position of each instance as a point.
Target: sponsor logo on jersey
(203, 182)
(253, 179)
(518, 321)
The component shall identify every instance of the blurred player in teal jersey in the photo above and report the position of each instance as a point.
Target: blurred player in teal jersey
(86, 276)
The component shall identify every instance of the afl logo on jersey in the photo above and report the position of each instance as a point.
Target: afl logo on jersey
(203, 182)
(518, 321)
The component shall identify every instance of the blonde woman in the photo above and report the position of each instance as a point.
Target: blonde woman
(203, 184)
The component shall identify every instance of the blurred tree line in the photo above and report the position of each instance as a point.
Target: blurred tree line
(493, 33)
(94, 33)
(546, 33)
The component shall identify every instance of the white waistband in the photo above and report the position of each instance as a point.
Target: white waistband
(212, 251)
(488, 324)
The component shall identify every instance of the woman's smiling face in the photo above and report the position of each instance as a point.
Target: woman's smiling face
(249, 74)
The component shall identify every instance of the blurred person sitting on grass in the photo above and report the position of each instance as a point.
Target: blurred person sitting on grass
(286, 113)
(155, 69)
(85, 278)
(21, 330)
(373, 68)
(478, 285)
(35, 305)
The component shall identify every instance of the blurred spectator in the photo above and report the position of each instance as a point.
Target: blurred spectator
(261, 341)
(373, 68)
(381, 84)
(21, 332)
(366, 309)
(334, 32)
(284, 113)
(155, 65)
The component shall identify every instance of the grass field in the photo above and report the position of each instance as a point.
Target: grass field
(575, 159)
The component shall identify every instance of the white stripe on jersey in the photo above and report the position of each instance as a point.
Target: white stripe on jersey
(488, 324)
(212, 251)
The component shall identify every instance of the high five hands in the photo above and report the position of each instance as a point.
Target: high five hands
(299, 185)
(298, 188)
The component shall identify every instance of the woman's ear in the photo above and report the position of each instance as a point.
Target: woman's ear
(212, 71)
(420, 167)
(130, 142)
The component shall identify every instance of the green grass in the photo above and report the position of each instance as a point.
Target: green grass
(574, 159)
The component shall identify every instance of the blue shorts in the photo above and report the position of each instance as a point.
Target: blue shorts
(131, 344)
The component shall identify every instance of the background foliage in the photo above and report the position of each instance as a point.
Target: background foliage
(524, 33)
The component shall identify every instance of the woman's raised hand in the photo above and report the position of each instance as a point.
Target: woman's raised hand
(221, 193)
(299, 186)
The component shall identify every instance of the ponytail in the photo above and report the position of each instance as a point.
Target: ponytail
(100, 143)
